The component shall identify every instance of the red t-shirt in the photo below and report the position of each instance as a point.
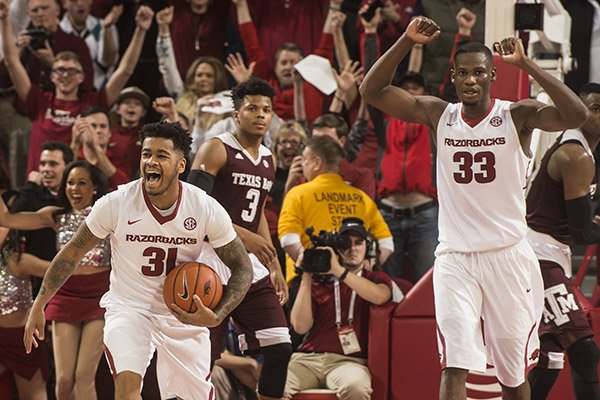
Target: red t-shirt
(125, 149)
(323, 335)
(359, 177)
(52, 119)
(283, 103)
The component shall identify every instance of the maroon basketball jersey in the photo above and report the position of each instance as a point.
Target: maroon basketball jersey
(546, 207)
(243, 184)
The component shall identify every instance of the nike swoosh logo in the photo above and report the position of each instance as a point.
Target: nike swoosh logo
(185, 294)
(528, 290)
(130, 222)
(449, 124)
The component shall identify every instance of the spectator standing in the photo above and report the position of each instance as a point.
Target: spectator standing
(287, 55)
(406, 190)
(100, 36)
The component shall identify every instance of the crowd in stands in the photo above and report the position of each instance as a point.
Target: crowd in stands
(79, 79)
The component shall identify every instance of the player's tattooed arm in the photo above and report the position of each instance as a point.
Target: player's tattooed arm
(63, 265)
(234, 255)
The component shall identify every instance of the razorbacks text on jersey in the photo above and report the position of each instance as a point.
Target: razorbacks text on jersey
(147, 245)
(481, 180)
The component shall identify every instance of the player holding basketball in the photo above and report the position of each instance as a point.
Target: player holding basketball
(558, 214)
(154, 224)
(484, 269)
(238, 171)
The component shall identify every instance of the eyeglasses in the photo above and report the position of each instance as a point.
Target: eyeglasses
(66, 71)
(291, 143)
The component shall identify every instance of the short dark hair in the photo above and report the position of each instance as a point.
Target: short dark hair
(588, 88)
(53, 145)
(328, 149)
(474, 47)
(254, 86)
(167, 130)
(289, 46)
(93, 110)
(332, 121)
(98, 179)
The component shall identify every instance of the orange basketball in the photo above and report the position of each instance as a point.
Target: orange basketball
(191, 278)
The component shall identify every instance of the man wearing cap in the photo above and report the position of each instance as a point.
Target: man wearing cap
(125, 146)
(333, 309)
(407, 192)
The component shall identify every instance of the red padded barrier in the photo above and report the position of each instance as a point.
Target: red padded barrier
(379, 350)
(512, 83)
(419, 300)
(314, 396)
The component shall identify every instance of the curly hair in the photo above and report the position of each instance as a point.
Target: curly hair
(171, 131)
(254, 86)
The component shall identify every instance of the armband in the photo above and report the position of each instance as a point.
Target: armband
(202, 179)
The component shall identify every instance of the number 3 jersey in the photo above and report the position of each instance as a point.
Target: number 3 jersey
(243, 184)
(481, 181)
(147, 245)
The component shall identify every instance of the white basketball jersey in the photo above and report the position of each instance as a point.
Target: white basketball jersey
(146, 246)
(481, 181)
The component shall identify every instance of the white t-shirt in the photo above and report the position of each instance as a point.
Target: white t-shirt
(146, 246)
(481, 181)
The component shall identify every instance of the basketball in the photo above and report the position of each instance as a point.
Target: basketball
(191, 278)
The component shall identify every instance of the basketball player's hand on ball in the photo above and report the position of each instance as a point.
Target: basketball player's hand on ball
(34, 328)
(511, 50)
(203, 316)
(423, 30)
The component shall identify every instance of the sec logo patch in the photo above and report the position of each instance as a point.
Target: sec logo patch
(496, 121)
(189, 223)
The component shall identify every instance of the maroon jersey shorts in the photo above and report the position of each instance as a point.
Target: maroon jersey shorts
(14, 358)
(259, 319)
(79, 298)
(562, 309)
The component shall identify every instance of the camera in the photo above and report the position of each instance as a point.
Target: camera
(39, 36)
(319, 260)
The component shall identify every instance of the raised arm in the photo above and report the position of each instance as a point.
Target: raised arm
(165, 53)
(109, 41)
(61, 268)
(377, 88)
(16, 70)
(568, 110)
(117, 81)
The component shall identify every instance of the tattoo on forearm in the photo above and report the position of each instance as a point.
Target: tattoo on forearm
(63, 265)
(234, 255)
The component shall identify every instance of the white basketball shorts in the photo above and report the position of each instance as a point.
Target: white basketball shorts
(499, 289)
(183, 360)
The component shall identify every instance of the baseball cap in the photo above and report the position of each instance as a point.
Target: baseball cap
(354, 224)
(136, 93)
(411, 76)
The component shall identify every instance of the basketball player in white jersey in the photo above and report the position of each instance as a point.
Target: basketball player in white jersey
(154, 224)
(484, 269)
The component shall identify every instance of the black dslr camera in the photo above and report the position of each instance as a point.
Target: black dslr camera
(319, 260)
(39, 36)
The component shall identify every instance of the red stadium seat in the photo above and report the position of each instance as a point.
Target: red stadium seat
(318, 394)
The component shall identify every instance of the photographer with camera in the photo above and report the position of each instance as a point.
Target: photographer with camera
(332, 306)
